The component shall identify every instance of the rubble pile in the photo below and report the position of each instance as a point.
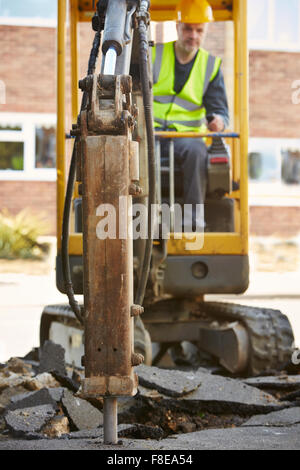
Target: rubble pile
(40, 398)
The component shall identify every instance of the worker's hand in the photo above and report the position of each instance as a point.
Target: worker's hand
(217, 124)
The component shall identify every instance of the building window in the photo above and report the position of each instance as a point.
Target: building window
(27, 146)
(264, 161)
(45, 150)
(12, 156)
(274, 172)
(290, 165)
(28, 12)
(274, 161)
(274, 24)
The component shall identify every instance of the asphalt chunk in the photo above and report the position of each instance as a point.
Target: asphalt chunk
(281, 382)
(286, 417)
(52, 358)
(81, 413)
(173, 383)
(28, 420)
(223, 394)
(44, 396)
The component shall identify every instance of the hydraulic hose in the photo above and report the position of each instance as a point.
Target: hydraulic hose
(65, 239)
(147, 101)
(68, 198)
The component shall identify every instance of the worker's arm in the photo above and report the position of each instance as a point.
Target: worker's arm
(216, 104)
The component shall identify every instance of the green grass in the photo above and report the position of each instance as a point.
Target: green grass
(19, 235)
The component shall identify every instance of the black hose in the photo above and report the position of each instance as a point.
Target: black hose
(65, 239)
(66, 270)
(94, 53)
(147, 101)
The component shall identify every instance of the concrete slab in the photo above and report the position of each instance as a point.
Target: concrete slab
(215, 394)
(28, 420)
(7, 394)
(66, 381)
(81, 413)
(52, 358)
(222, 394)
(44, 396)
(285, 417)
(281, 382)
(173, 383)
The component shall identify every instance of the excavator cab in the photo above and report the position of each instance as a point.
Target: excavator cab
(185, 267)
(226, 207)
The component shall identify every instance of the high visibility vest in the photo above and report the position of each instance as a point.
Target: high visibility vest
(183, 111)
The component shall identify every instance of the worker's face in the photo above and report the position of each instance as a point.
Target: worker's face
(191, 35)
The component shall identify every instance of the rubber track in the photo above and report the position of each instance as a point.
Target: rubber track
(270, 333)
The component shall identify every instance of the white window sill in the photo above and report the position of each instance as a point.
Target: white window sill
(36, 175)
(274, 194)
(35, 22)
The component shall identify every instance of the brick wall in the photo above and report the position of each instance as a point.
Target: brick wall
(275, 221)
(37, 196)
(28, 68)
(272, 113)
(214, 41)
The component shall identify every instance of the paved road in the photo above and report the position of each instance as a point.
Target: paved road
(23, 298)
(251, 438)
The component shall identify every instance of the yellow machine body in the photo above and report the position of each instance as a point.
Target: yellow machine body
(180, 275)
(231, 243)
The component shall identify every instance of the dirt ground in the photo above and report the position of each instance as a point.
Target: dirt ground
(275, 255)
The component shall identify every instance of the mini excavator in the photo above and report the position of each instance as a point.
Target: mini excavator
(144, 291)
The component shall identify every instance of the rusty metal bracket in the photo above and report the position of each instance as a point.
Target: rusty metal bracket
(109, 106)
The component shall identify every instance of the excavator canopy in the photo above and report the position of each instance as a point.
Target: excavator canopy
(165, 10)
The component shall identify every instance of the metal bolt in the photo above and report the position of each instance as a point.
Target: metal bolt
(82, 84)
(86, 84)
(135, 189)
(137, 359)
(75, 132)
(136, 310)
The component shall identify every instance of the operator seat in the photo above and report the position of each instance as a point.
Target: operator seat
(218, 207)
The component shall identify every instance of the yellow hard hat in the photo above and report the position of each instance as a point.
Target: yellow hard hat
(194, 11)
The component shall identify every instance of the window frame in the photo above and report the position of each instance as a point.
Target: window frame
(273, 193)
(269, 44)
(28, 121)
(28, 21)
(32, 22)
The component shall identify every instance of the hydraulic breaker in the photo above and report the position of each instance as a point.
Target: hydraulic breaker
(109, 177)
(107, 168)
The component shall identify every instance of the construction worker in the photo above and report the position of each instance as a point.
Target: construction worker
(189, 95)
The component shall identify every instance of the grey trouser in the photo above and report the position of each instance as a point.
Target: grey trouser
(190, 154)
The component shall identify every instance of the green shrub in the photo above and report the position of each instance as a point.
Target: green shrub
(19, 235)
